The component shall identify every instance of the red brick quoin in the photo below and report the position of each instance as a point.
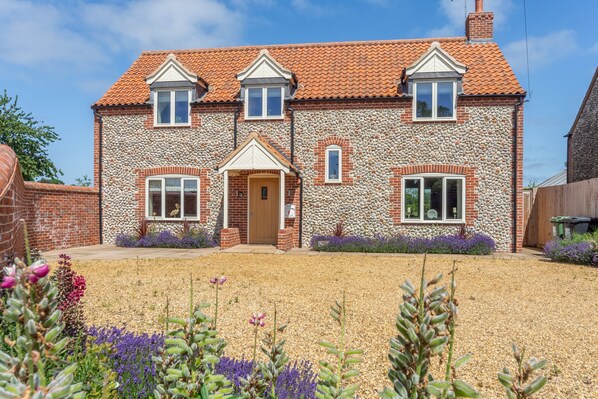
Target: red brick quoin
(204, 185)
(471, 187)
(346, 163)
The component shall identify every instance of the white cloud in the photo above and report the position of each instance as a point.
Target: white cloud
(86, 33)
(456, 13)
(543, 50)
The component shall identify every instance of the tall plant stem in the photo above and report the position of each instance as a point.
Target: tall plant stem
(451, 327)
(272, 350)
(26, 238)
(254, 345)
(421, 315)
(216, 310)
(341, 354)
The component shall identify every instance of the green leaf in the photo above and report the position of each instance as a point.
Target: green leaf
(462, 361)
(535, 386)
(464, 390)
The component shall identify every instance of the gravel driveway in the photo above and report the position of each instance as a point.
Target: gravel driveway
(548, 308)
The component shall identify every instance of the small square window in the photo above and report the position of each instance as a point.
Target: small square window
(264, 103)
(264, 193)
(434, 100)
(172, 107)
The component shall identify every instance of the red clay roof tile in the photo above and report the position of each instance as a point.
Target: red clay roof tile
(324, 70)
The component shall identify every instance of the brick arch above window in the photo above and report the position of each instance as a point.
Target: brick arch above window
(471, 187)
(346, 161)
(204, 185)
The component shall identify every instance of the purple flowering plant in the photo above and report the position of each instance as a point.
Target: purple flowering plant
(193, 238)
(570, 251)
(130, 358)
(471, 244)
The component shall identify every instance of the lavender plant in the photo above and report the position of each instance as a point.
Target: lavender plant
(187, 363)
(33, 366)
(130, 357)
(335, 379)
(425, 325)
(518, 385)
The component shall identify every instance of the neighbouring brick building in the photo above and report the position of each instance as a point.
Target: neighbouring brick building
(276, 144)
(582, 139)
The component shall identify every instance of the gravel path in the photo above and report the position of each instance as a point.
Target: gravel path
(548, 308)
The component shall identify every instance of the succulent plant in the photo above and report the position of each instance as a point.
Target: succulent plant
(32, 366)
(335, 379)
(187, 362)
(425, 325)
(518, 386)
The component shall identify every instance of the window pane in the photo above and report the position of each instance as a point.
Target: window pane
(274, 101)
(254, 106)
(444, 101)
(433, 198)
(155, 198)
(454, 199)
(190, 198)
(412, 199)
(163, 107)
(181, 107)
(333, 164)
(173, 197)
(424, 100)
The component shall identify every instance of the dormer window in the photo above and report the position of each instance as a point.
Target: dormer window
(173, 88)
(434, 100)
(265, 84)
(172, 107)
(264, 102)
(434, 81)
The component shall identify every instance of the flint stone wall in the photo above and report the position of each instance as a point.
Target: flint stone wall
(380, 142)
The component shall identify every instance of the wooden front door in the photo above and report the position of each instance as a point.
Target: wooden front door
(263, 210)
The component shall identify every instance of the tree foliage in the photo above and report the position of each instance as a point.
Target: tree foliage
(28, 138)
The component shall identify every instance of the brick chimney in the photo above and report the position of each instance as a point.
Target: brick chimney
(479, 26)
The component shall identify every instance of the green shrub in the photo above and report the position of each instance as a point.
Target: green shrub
(93, 370)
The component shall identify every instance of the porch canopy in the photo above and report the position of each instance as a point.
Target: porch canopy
(256, 153)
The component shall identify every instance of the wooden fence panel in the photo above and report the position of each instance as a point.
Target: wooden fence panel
(540, 204)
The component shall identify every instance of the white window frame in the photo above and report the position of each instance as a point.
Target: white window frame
(434, 116)
(172, 108)
(329, 149)
(264, 103)
(444, 219)
(163, 178)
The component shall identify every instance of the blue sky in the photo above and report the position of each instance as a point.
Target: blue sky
(59, 57)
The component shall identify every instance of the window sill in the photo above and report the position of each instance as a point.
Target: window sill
(333, 183)
(277, 119)
(164, 220)
(441, 222)
(187, 125)
(434, 120)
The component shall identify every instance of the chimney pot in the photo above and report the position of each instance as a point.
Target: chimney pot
(479, 6)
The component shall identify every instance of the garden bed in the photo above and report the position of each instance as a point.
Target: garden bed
(465, 244)
(544, 307)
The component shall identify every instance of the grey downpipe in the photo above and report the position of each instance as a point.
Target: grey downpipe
(300, 176)
(236, 116)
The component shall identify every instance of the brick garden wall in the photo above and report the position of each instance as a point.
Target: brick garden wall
(57, 216)
(61, 216)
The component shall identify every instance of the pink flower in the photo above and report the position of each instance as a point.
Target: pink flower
(218, 280)
(33, 278)
(8, 282)
(257, 319)
(40, 270)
